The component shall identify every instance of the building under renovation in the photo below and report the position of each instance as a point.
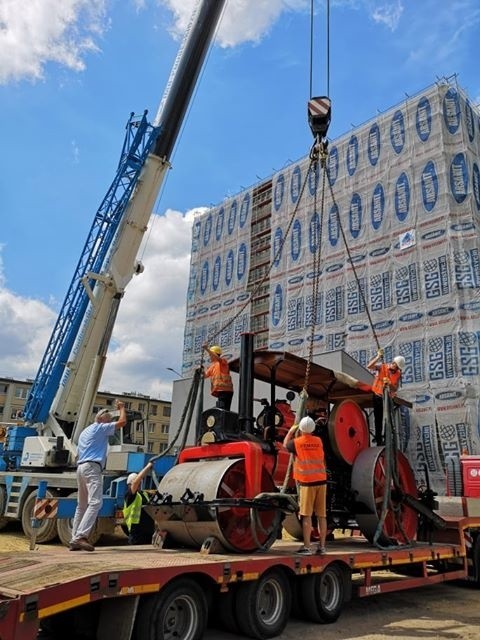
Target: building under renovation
(385, 248)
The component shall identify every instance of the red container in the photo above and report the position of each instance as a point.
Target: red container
(471, 476)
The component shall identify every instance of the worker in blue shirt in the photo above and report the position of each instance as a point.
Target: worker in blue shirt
(91, 458)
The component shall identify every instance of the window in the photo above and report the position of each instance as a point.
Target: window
(128, 405)
(141, 406)
(164, 428)
(153, 410)
(163, 446)
(109, 402)
(150, 447)
(1, 408)
(3, 388)
(151, 427)
(167, 410)
(21, 392)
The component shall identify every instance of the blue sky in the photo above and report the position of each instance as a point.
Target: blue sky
(72, 71)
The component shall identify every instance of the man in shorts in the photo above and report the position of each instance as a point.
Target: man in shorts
(310, 472)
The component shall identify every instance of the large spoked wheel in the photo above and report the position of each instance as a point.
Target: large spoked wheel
(246, 529)
(47, 530)
(179, 610)
(322, 595)
(236, 525)
(262, 607)
(369, 484)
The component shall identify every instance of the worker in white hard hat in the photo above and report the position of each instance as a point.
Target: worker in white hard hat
(139, 524)
(387, 375)
(220, 378)
(310, 473)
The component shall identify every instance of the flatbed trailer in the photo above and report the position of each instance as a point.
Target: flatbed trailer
(152, 594)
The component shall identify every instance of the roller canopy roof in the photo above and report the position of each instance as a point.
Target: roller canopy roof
(288, 371)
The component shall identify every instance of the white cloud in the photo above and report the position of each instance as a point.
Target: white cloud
(148, 334)
(50, 31)
(45, 31)
(388, 14)
(25, 327)
(243, 20)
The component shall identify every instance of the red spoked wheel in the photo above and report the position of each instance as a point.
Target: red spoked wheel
(369, 484)
(348, 431)
(242, 528)
(193, 516)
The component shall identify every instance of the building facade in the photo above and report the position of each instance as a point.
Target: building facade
(383, 244)
(156, 413)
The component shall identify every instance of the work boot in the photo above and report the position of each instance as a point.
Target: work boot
(81, 545)
(305, 551)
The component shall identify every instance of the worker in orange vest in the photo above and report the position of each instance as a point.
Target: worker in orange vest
(386, 375)
(220, 378)
(310, 472)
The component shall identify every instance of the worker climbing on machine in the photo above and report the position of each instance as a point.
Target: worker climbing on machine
(387, 376)
(92, 453)
(310, 472)
(139, 524)
(221, 380)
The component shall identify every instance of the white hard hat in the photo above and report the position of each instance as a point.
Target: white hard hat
(307, 425)
(400, 362)
(131, 478)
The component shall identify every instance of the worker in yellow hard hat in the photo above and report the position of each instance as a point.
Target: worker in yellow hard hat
(220, 378)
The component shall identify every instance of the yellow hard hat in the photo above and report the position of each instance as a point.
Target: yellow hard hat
(216, 349)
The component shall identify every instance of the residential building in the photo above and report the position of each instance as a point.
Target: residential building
(156, 413)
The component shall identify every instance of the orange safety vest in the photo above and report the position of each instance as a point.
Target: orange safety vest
(219, 372)
(309, 466)
(385, 372)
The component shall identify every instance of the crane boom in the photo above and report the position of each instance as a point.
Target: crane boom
(67, 381)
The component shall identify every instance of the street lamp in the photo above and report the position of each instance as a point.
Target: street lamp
(175, 372)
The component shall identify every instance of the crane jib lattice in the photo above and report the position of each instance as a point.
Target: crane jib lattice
(139, 138)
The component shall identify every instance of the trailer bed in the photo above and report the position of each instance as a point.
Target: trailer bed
(36, 585)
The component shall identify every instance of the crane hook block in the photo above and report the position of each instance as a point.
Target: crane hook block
(319, 114)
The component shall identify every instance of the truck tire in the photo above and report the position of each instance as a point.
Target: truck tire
(323, 594)
(476, 561)
(3, 506)
(262, 607)
(179, 610)
(223, 614)
(47, 530)
(64, 528)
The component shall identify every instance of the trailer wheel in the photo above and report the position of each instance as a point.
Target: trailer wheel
(179, 610)
(323, 594)
(47, 530)
(476, 562)
(223, 614)
(262, 607)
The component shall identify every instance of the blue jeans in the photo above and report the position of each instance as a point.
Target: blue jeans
(89, 501)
